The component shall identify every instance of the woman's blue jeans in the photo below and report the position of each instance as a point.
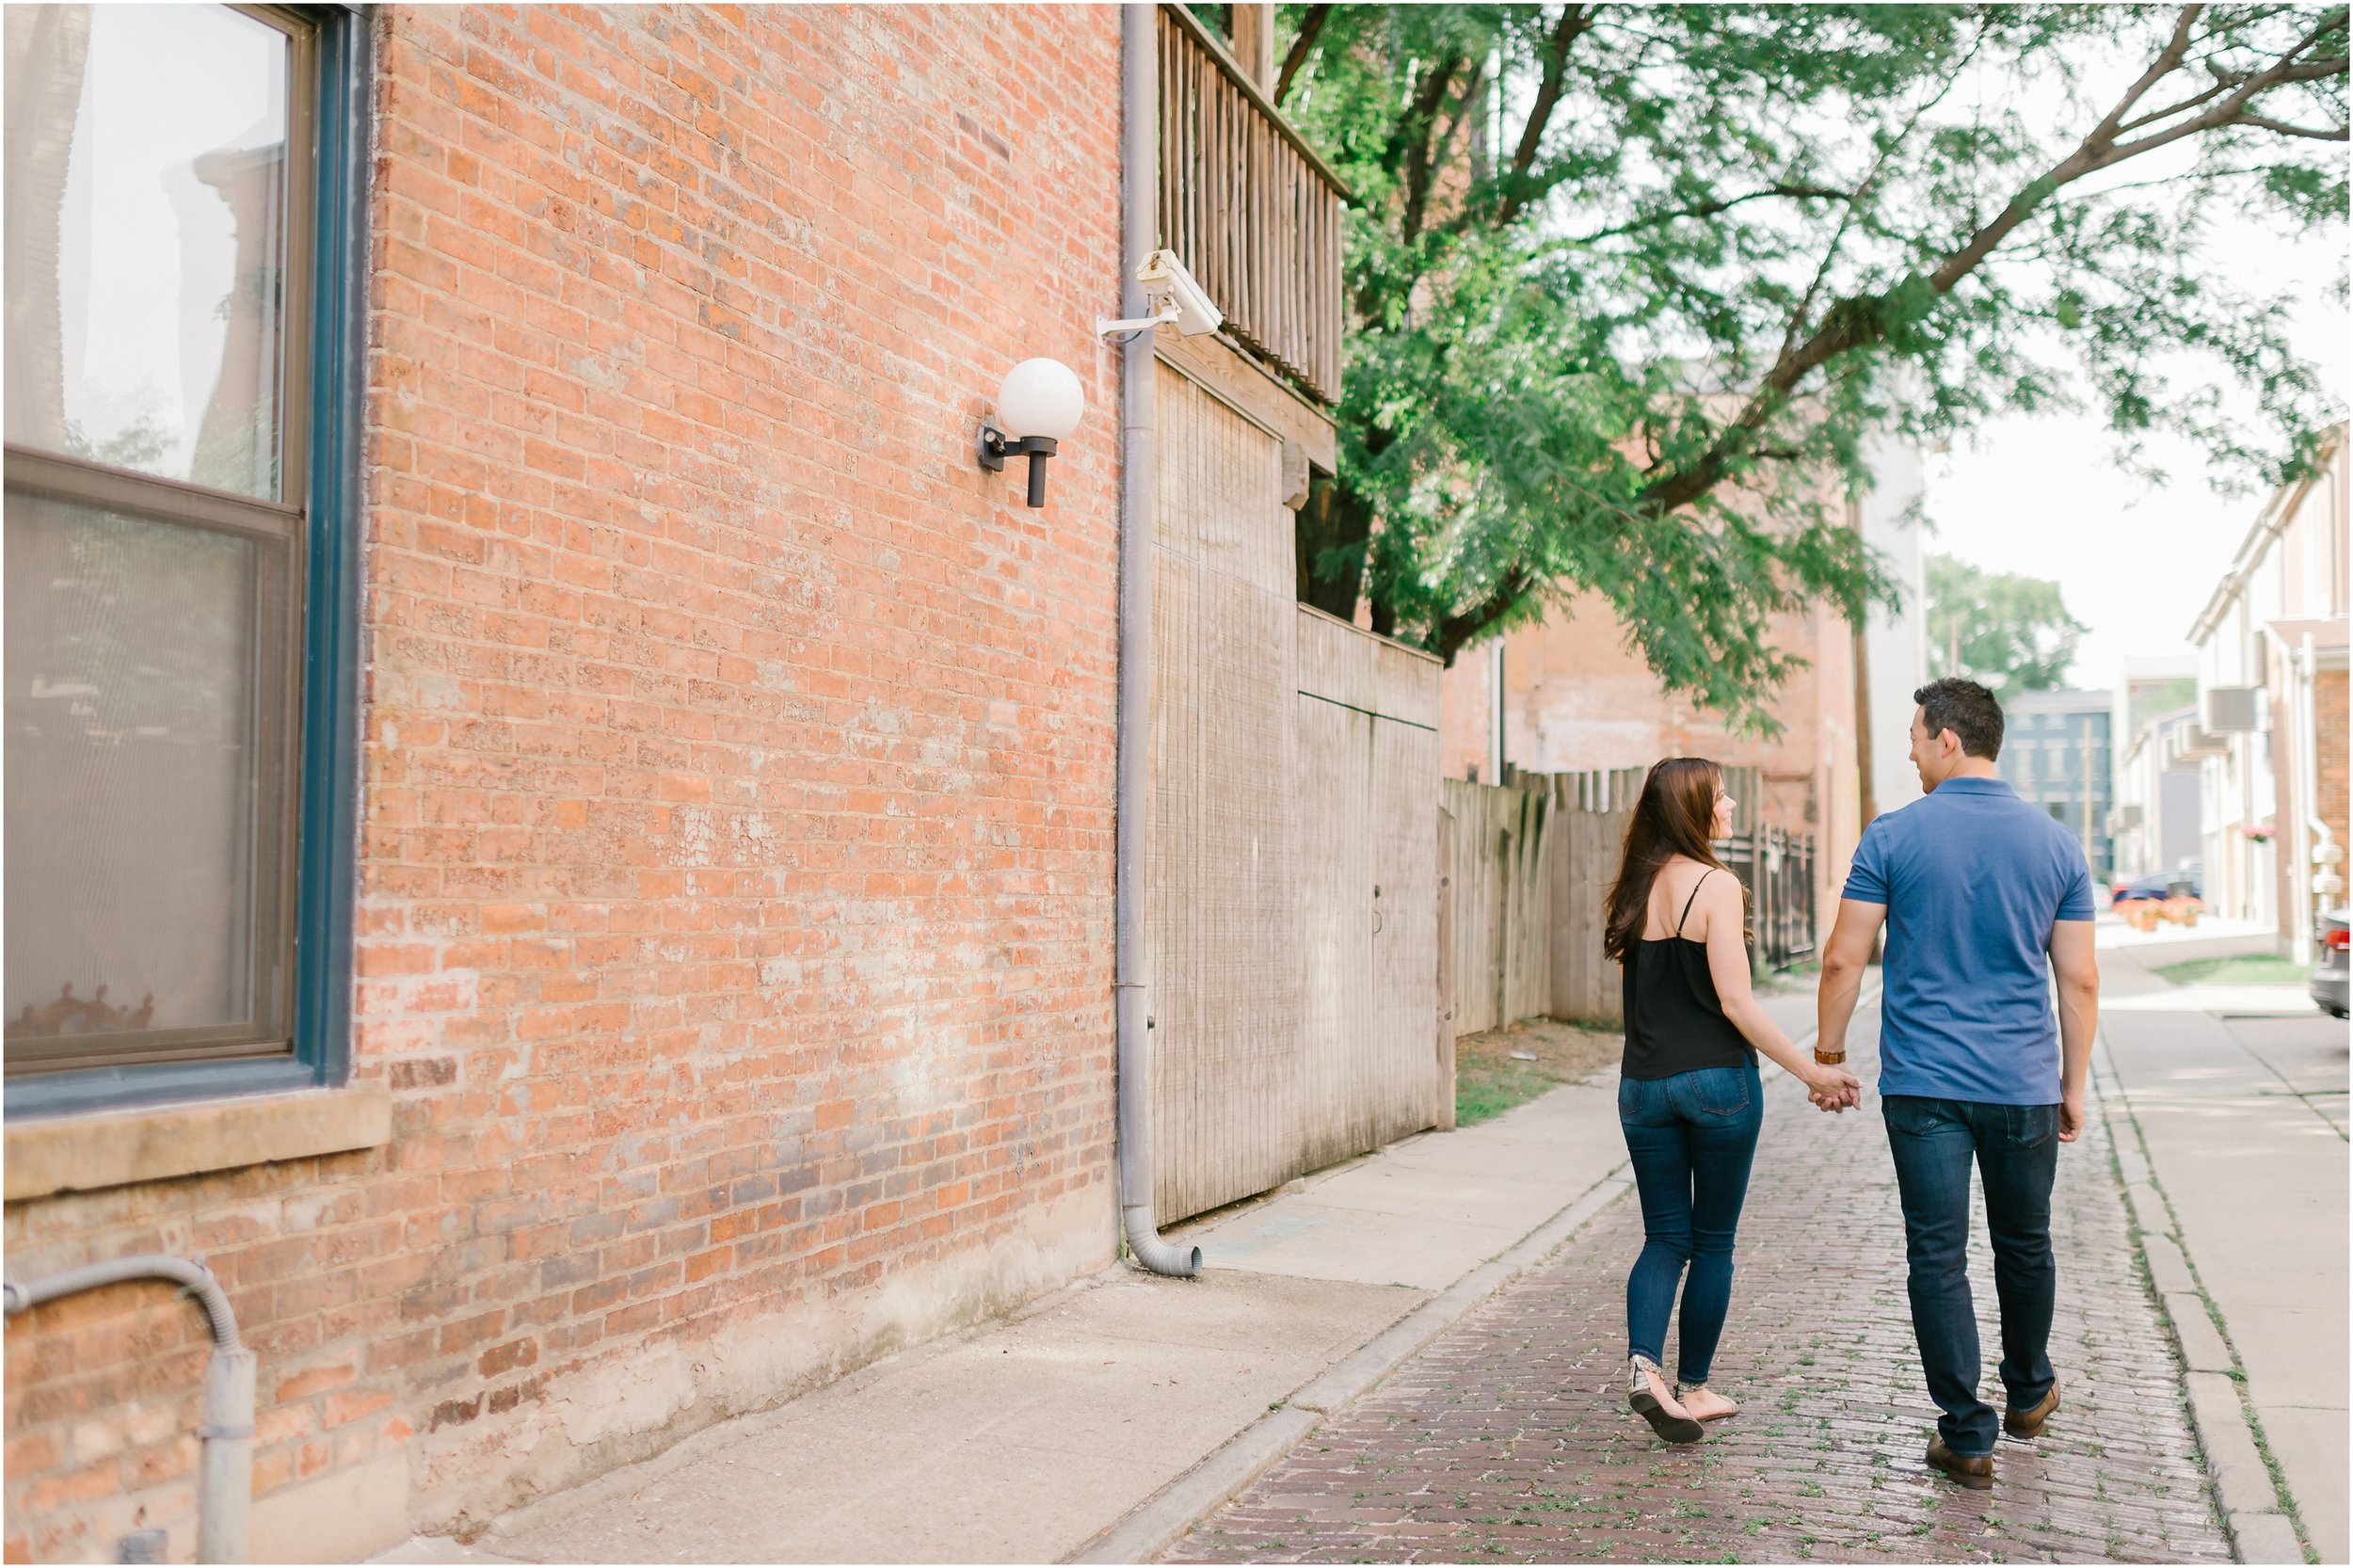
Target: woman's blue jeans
(1691, 1138)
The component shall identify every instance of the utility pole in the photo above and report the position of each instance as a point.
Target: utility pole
(1868, 790)
(1495, 680)
(2086, 785)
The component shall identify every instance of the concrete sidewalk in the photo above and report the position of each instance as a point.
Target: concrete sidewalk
(1100, 1422)
(1026, 1438)
(2236, 1158)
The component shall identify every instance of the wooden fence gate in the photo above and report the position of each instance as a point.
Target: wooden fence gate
(1220, 898)
(1291, 906)
(1373, 1067)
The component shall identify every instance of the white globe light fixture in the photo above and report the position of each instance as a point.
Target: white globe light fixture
(1038, 405)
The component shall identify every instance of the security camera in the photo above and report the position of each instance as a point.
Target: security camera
(1166, 283)
(1175, 299)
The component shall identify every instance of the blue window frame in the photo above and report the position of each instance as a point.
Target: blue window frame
(278, 480)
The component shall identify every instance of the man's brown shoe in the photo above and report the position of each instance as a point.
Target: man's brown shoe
(1975, 1473)
(2028, 1423)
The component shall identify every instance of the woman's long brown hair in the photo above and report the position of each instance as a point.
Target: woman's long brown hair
(1674, 816)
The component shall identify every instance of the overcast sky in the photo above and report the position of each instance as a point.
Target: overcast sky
(2043, 495)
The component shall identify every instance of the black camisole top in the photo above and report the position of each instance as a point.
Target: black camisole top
(1675, 1021)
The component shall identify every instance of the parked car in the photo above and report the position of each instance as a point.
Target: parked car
(2159, 885)
(2330, 974)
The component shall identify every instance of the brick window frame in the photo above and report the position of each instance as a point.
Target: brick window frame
(333, 56)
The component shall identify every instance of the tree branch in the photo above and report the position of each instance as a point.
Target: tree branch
(1457, 630)
(2261, 124)
(1709, 209)
(2168, 60)
(1861, 320)
(1574, 20)
(1421, 129)
(2186, 105)
(1301, 46)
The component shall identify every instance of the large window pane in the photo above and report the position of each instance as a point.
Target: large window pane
(146, 236)
(145, 669)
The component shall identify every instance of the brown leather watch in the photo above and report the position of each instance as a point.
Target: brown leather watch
(1829, 1058)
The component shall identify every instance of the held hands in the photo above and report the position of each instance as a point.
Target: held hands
(1832, 1089)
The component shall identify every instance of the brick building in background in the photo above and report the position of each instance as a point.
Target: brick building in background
(1575, 697)
(583, 402)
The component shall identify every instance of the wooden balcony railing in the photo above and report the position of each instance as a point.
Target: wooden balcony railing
(1249, 208)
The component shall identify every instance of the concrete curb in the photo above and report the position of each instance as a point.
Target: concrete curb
(2253, 1505)
(1155, 1525)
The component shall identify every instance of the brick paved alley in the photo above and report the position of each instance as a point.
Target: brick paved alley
(1507, 1437)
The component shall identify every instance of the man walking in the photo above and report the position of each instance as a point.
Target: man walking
(1983, 898)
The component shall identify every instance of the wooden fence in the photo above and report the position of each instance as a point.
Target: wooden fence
(1584, 984)
(1529, 866)
(1248, 207)
(1531, 862)
(1502, 902)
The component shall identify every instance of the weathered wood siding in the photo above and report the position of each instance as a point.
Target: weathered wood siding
(1221, 889)
(1291, 905)
(1373, 1064)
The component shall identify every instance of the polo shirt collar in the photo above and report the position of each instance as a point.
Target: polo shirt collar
(1971, 786)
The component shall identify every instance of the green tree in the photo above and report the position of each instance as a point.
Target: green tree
(2010, 632)
(1631, 288)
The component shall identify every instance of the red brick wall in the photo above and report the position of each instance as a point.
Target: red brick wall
(2329, 732)
(736, 887)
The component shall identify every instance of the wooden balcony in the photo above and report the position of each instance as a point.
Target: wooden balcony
(1250, 209)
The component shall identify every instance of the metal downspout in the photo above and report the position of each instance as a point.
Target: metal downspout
(1139, 159)
(224, 1487)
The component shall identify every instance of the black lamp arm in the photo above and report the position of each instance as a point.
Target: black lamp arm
(996, 447)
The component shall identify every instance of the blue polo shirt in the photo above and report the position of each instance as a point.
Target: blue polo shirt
(1973, 879)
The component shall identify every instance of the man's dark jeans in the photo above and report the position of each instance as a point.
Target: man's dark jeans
(2016, 1148)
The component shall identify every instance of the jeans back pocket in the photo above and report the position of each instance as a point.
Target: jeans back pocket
(1721, 1091)
(2033, 1125)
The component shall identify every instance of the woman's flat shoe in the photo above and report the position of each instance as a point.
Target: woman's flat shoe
(1684, 1391)
(1667, 1423)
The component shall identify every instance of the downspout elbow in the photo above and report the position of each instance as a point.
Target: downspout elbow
(225, 1468)
(1155, 1252)
(192, 1276)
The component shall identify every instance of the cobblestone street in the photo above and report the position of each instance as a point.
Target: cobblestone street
(1507, 1439)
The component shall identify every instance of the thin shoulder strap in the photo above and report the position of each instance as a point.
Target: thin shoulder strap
(1694, 897)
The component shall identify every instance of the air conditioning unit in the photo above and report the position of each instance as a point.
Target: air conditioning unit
(2231, 709)
(2123, 819)
(2191, 741)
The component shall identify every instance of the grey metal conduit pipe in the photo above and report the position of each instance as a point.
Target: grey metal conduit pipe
(224, 1487)
(1139, 162)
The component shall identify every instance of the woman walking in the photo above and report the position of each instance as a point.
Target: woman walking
(1688, 1097)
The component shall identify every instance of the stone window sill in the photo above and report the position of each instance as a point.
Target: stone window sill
(80, 1154)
